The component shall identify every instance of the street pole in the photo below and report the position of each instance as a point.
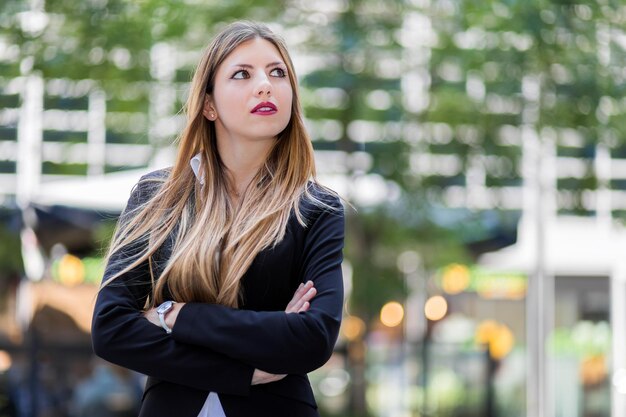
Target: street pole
(539, 209)
(410, 264)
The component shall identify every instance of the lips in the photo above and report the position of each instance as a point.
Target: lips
(265, 108)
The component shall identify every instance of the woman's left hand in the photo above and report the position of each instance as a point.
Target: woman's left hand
(300, 302)
(170, 317)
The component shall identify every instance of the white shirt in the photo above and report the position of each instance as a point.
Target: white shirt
(212, 407)
(196, 165)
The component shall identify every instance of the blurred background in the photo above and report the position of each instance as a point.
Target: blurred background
(482, 145)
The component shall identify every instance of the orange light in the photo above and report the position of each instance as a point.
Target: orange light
(352, 328)
(486, 331)
(71, 270)
(391, 314)
(435, 308)
(455, 279)
(5, 361)
(497, 336)
(593, 370)
(502, 344)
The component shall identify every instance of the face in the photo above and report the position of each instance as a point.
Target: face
(252, 94)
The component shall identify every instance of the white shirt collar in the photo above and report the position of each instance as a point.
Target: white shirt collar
(196, 165)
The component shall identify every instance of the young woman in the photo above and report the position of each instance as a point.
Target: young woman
(223, 281)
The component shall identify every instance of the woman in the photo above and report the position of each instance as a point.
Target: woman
(223, 281)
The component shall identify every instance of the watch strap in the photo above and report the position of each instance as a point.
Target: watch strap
(168, 330)
(162, 310)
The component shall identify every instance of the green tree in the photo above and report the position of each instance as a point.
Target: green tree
(484, 54)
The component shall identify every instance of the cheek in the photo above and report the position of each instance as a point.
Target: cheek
(227, 102)
(287, 98)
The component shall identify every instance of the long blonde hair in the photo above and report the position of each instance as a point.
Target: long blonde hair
(201, 219)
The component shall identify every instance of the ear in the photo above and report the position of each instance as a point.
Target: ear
(209, 108)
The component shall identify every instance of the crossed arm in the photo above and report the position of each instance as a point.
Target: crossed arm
(298, 304)
(216, 348)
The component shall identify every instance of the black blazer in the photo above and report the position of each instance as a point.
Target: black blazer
(216, 348)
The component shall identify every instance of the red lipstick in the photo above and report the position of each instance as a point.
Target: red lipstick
(264, 108)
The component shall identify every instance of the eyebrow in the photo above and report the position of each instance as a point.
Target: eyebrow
(272, 64)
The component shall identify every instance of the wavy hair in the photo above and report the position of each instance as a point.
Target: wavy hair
(215, 242)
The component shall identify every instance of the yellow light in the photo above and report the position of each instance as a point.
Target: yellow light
(498, 336)
(455, 279)
(486, 331)
(5, 361)
(436, 308)
(391, 314)
(352, 328)
(71, 270)
(502, 343)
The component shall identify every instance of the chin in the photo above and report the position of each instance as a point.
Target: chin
(268, 132)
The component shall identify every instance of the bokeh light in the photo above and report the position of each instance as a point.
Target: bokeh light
(455, 279)
(5, 361)
(497, 336)
(352, 328)
(391, 314)
(436, 308)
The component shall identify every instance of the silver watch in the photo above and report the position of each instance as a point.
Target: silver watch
(162, 310)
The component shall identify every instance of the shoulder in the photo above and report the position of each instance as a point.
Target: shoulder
(323, 194)
(154, 179)
(148, 185)
(318, 200)
(157, 176)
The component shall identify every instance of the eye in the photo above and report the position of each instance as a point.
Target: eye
(240, 75)
(278, 72)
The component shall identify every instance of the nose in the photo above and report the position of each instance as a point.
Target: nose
(264, 87)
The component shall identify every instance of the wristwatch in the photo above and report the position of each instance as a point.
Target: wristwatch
(162, 310)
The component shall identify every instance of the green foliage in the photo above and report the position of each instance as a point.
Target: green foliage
(10, 255)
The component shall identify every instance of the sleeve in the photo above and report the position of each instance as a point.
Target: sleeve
(121, 335)
(275, 341)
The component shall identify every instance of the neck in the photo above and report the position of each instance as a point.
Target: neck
(243, 160)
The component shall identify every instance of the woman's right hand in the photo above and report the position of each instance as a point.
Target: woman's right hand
(298, 304)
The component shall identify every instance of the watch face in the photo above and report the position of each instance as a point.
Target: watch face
(163, 308)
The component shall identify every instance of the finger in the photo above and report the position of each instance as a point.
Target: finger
(304, 307)
(310, 294)
(307, 297)
(301, 295)
(302, 289)
(296, 296)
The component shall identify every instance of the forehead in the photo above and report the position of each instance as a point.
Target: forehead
(255, 51)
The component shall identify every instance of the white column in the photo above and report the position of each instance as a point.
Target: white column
(162, 93)
(29, 138)
(618, 348)
(538, 170)
(602, 166)
(96, 134)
